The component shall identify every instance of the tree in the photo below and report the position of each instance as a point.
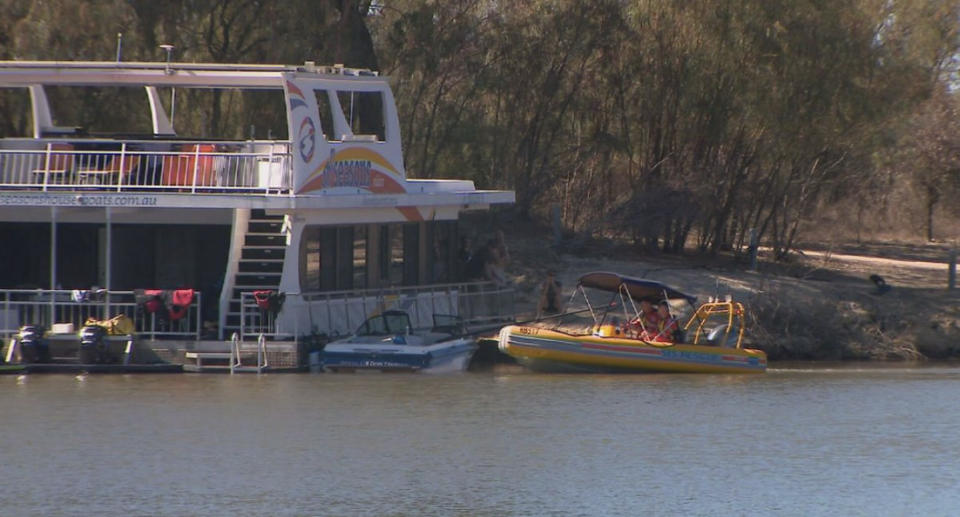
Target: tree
(929, 155)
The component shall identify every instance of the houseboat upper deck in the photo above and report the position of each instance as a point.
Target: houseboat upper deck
(324, 213)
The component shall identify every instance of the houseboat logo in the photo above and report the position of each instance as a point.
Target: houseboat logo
(358, 168)
(307, 134)
(297, 100)
(307, 139)
(346, 173)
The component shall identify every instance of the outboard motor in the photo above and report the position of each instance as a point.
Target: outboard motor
(93, 346)
(33, 347)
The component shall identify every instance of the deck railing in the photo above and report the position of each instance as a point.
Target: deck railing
(337, 313)
(109, 165)
(19, 307)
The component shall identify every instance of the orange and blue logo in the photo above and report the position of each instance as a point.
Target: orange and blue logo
(355, 167)
(307, 132)
(297, 100)
(307, 139)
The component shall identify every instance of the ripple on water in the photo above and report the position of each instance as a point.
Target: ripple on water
(798, 441)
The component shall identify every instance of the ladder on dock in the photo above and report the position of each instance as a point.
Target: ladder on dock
(232, 360)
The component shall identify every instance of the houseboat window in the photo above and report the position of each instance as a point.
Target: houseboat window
(442, 256)
(360, 257)
(106, 111)
(310, 259)
(326, 115)
(391, 254)
(337, 257)
(345, 257)
(15, 116)
(411, 253)
(364, 113)
(261, 113)
(333, 258)
(227, 113)
(328, 259)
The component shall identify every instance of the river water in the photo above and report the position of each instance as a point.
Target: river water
(796, 441)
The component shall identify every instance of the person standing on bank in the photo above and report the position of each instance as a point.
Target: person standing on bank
(550, 300)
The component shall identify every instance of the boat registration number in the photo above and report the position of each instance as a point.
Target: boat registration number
(528, 331)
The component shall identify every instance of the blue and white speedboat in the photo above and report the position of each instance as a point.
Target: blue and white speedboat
(387, 342)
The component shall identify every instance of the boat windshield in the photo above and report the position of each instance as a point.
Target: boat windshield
(390, 322)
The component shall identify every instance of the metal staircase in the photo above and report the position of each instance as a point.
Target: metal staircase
(259, 265)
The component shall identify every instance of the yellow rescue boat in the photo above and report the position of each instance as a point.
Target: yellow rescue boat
(709, 342)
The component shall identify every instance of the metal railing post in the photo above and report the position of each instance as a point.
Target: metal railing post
(123, 155)
(196, 166)
(199, 313)
(46, 166)
(243, 313)
(262, 349)
(234, 352)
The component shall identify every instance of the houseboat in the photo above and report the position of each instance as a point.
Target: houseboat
(295, 224)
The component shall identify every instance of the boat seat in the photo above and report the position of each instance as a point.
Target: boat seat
(716, 333)
(715, 336)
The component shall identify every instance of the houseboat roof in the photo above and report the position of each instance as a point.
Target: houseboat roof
(328, 161)
(181, 75)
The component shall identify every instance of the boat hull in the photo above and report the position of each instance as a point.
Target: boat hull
(9, 369)
(549, 350)
(448, 356)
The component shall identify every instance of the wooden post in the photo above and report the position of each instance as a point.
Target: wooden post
(952, 270)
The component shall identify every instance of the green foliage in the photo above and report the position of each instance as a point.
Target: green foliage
(668, 122)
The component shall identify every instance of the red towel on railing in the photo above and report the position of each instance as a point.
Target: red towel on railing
(154, 300)
(180, 301)
(269, 301)
(262, 298)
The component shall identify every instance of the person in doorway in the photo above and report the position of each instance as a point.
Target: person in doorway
(550, 299)
(493, 264)
(467, 260)
(500, 249)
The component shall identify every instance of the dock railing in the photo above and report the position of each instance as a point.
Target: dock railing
(261, 167)
(44, 307)
(339, 313)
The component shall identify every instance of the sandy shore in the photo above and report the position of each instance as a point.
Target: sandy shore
(821, 305)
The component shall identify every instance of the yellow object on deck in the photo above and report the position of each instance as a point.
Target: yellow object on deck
(120, 325)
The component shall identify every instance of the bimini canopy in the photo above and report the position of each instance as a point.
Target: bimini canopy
(637, 287)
